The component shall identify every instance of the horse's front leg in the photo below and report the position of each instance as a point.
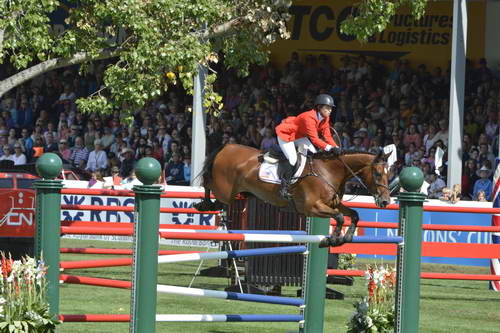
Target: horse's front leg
(354, 222)
(339, 218)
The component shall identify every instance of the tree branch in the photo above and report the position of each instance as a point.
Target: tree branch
(222, 29)
(48, 65)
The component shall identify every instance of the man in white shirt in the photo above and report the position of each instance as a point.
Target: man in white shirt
(435, 189)
(97, 158)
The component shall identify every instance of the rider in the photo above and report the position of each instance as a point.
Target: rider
(305, 131)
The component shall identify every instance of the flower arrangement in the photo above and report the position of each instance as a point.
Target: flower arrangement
(23, 305)
(375, 313)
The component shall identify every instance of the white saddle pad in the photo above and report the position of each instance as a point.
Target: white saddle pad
(268, 172)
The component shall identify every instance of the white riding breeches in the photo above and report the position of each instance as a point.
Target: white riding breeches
(288, 148)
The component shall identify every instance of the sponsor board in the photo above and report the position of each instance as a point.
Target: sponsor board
(17, 217)
(315, 29)
(434, 235)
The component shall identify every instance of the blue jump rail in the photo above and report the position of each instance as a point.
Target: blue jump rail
(377, 239)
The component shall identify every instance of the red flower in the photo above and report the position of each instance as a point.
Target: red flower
(6, 266)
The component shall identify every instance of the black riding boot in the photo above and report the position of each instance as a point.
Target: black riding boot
(286, 180)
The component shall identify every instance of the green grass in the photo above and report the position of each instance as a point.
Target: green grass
(446, 306)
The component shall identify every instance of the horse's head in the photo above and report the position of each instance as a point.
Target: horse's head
(377, 178)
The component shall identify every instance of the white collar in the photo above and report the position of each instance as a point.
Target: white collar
(320, 117)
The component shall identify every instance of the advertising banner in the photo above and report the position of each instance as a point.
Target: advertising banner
(315, 29)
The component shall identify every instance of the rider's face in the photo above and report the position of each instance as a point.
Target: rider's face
(325, 110)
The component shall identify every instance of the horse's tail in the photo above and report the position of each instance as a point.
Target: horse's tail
(206, 172)
(206, 178)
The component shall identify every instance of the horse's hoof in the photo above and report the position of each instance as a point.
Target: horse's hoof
(347, 238)
(325, 242)
(336, 241)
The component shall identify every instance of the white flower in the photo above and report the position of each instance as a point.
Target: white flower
(2, 300)
(369, 321)
(16, 266)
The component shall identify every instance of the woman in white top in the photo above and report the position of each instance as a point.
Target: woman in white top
(430, 138)
(18, 157)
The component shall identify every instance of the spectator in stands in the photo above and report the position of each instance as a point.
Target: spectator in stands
(269, 140)
(27, 142)
(481, 196)
(412, 137)
(128, 162)
(114, 181)
(98, 160)
(50, 145)
(79, 154)
(96, 181)
(187, 170)
(483, 183)
(436, 187)
(174, 170)
(64, 150)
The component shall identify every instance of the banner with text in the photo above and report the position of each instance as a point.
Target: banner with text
(315, 29)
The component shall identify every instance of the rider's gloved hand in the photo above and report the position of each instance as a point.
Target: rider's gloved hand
(335, 150)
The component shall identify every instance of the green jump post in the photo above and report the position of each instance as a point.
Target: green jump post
(48, 223)
(315, 278)
(145, 266)
(409, 254)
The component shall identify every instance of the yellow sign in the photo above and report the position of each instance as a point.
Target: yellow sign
(315, 29)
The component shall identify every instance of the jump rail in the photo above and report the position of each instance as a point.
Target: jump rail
(425, 275)
(265, 238)
(427, 208)
(110, 283)
(444, 227)
(127, 193)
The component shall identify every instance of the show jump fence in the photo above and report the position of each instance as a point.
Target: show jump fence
(145, 260)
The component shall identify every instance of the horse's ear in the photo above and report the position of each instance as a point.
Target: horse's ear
(379, 156)
(386, 156)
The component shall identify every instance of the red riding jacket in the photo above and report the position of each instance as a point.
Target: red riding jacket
(307, 125)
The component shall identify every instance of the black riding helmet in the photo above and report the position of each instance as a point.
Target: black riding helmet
(324, 99)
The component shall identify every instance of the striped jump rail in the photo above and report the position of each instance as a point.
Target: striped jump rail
(231, 254)
(129, 193)
(195, 292)
(131, 209)
(429, 249)
(104, 230)
(424, 275)
(443, 227)
(428, 208)
(85, 250)
(100, 224)
(265, 238)
(86, 318)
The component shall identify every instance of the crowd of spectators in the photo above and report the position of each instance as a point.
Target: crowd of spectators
(378, 104)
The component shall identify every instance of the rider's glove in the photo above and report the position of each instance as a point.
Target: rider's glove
(336, 150)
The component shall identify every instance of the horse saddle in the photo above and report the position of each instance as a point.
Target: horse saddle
(274, 164)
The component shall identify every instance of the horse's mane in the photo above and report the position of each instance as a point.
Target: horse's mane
(328, 155)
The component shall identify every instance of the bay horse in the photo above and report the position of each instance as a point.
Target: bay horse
(318, 192)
